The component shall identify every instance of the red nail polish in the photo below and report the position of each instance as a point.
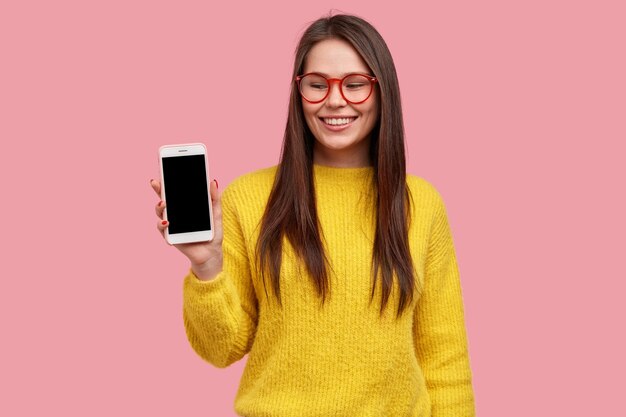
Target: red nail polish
(160, 202)
(216, 184)
(164, 222)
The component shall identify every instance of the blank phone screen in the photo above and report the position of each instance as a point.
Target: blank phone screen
(186, 194)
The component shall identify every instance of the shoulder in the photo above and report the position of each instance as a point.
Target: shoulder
(423, 192)
(263, 177)
(252, 188)
(426, 202)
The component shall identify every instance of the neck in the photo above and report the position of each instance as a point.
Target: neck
(343, 158)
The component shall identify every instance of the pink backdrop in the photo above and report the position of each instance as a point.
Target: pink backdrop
(515, 111)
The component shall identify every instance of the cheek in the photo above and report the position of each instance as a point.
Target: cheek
(371, 112)
(369, 107)
(309, 114)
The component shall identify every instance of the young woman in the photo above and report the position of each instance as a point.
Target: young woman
(336, 271)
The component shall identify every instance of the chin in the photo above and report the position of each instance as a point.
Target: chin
(337, 143)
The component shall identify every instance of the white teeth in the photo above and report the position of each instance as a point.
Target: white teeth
(336, 122)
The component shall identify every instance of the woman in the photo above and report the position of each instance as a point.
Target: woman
(336, 272)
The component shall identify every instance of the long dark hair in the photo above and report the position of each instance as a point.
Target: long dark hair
(291, 209)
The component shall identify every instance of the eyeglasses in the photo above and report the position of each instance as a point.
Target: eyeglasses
(354, 88)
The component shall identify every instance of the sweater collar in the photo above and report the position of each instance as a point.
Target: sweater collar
(324, 174)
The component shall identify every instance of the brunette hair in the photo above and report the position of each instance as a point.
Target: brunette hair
(291, 209)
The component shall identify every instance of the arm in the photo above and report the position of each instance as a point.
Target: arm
(439, 327)
(220, 315)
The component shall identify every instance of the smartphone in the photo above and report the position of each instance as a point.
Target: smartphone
(185, 190)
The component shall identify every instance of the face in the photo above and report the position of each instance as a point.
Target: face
(338, 144)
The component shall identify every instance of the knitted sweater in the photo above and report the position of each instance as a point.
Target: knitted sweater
(340, 358)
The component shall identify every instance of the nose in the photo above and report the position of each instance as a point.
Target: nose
(335, 99)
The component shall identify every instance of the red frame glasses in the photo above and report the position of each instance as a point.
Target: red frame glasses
(329, 81)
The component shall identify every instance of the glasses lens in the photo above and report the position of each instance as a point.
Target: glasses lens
(313, 87)
(356, 88)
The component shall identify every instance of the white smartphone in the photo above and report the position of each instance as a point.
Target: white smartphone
(185, 190)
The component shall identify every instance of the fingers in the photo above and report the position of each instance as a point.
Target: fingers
(159, 209)
(161, 226)
(156, 186)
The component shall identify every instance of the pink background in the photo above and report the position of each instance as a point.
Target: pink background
(515, 111)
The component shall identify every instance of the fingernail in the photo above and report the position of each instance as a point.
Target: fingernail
(160, 202)
(216, 184)
(164, 222)
(151, 179)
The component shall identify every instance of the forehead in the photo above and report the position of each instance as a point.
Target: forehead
(334, 57)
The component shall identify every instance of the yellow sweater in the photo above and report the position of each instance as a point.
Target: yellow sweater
(341, 358)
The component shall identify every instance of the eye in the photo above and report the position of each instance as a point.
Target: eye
(355, 86)
(318, 86)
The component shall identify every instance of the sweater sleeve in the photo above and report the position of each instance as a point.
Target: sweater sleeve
(439, 326)
(220, 315)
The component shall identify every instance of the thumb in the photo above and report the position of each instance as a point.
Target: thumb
(216, 195)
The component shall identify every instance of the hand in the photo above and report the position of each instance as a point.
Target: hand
(205, 257)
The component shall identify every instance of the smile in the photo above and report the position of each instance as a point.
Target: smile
(337, 121)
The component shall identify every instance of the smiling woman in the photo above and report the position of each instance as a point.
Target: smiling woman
(334, 270)
(342, 128)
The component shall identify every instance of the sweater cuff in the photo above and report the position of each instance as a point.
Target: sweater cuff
(194, 283)
(219, 293)
(203, 297)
